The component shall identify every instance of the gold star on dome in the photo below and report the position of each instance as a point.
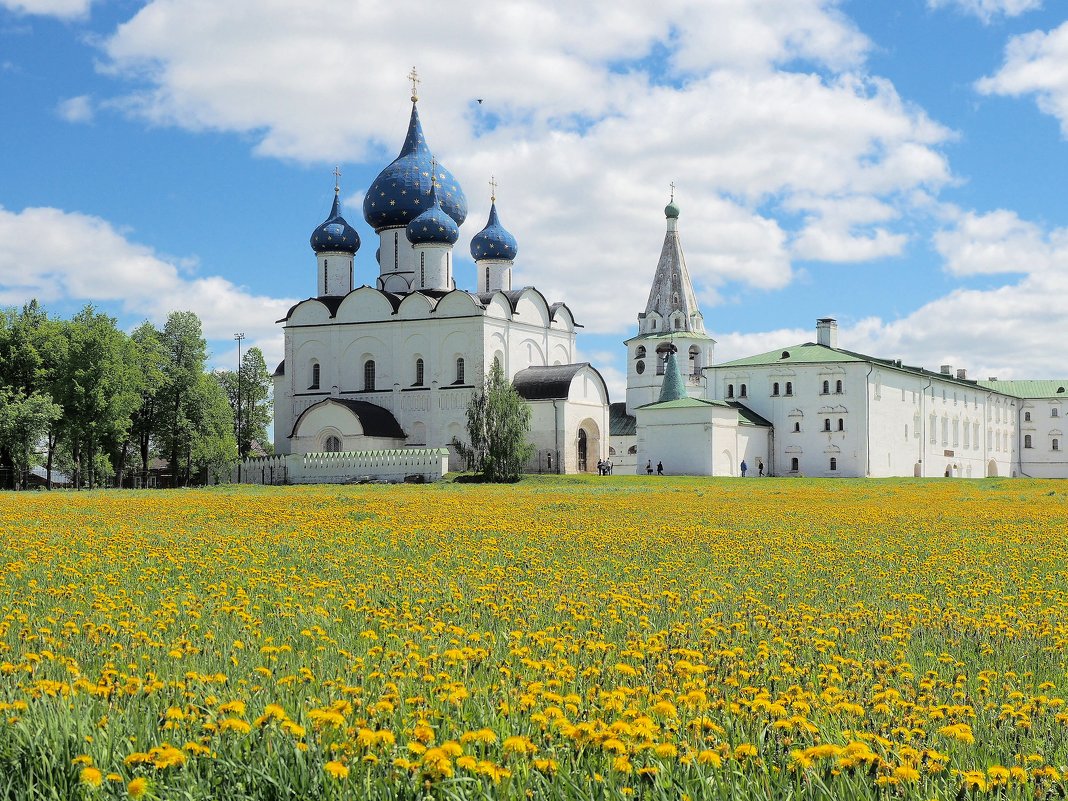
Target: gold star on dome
(393, 202)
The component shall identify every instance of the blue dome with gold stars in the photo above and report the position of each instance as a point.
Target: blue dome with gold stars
(399, 193)
(433, 226)
(335, 235)
(493, 241)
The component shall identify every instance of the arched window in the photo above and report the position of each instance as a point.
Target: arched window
(794, 464)
(789, 387)
(675, 322)
(838, 387)
(1056, 444)
(841, 424)
(1027, 440)
(487, 279)
(775, 388)
(418, 372)
(797, 428)
(460, 370)
(639, 352)
(827, 424)
(369, 375)
(695, 361)
(497, 362)
(730, 390)
(742, 392)
(1027, 417)
(834, 463)
(314, 376)
(332, 444)
(826, 388)
(1054, 412)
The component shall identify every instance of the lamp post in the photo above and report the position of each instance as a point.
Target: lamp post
(239, 337)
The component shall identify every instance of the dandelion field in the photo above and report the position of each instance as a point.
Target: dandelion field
(572, 638)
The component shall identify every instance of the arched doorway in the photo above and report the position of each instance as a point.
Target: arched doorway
(992, 469)
(582, 445)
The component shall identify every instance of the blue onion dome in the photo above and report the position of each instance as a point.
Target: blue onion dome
(335, 234)
(494, 241)
(399, 193)
(671, 210)
(433, 226)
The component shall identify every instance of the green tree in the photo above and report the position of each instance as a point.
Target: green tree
(213, 446)
(151, 361)
(185, 352)
(24, 419)
(498, 425)
(255, 400)
(98, 388)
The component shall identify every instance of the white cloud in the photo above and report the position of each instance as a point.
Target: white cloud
(76, 109)
(64, 9)
(1000, 242)
(987, 10)
(583, 138)
(56, 255)
(1035, 63)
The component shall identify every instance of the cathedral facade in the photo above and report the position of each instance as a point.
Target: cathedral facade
(390, 358)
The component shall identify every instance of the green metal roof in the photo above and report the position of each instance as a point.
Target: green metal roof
(1029, 389)
(621, 424)
(807, 353)
(684, 403)
(668, 336)
(746, 417)
(811, 353)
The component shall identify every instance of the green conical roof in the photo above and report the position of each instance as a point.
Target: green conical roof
(673, 387)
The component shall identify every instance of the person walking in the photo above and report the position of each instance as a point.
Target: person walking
(649, 467)
(744, 467)
(760, 469)
(660, 468)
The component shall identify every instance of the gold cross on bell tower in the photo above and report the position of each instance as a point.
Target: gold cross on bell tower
(672, 191)
(337, 179)
(413, 76)
(493, 189)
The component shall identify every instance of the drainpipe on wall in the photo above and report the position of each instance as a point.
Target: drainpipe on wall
(556, 431)
(923, 422)
(867, 420)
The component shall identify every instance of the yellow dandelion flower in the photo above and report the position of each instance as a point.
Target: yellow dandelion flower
(336, 770)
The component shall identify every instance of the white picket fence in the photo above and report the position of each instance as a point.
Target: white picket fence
(419, 464)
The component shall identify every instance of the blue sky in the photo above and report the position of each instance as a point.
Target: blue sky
(899, 165)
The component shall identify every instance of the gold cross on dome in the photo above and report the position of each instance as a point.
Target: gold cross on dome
(413, 76)
(493, 189)
(337, 179)
(672, 191)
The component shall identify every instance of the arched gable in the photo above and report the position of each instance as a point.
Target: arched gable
(498, 307)
(309, 312)
(395, 282)
(588, 386)
(365, 304)
(458, 304)
(562, 318)
(531, 308)
(415, 306)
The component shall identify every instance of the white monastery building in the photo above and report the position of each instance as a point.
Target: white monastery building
(388, 358)
(384, 361)
(815, 408)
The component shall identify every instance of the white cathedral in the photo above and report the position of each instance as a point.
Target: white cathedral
(390, 366)
(393, 364)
